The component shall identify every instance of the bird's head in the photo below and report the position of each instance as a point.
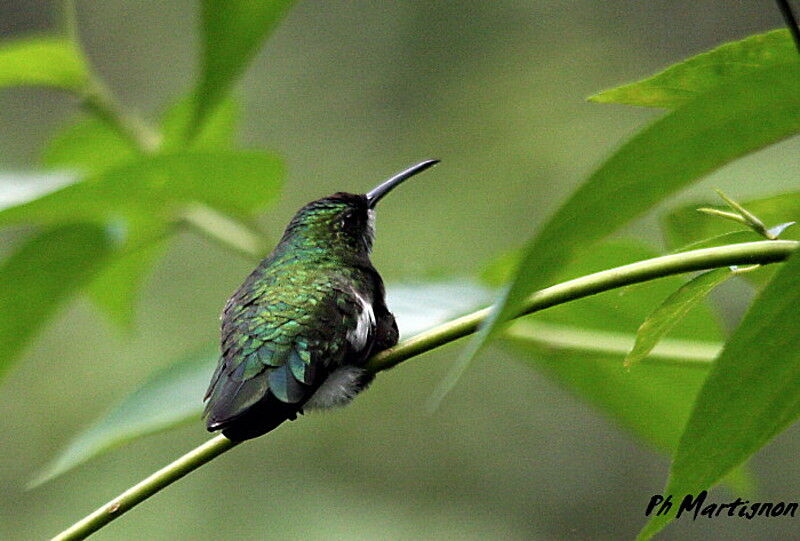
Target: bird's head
(344, 221)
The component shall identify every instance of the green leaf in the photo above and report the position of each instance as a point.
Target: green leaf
(685, 228)
(152, 191)
(173, 396)
(88, 146)
(581, 345)
(43, 61)
(232, 33)
(217, 131)
(751, 395)
(19, 189)
(116, 287)
(45, 271)
(672, 310)
(676, 150)
(704, 73)
(168, 398)
(685, 225)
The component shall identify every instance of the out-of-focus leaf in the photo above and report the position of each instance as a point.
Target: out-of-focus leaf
(686, 228)
(674, 151)
(232, 32)
(173, 396)
(672, 310)
(168, 398)
(682, 82)
(653, 401)
(421, 306)
(154, 189)
(43, 61)
(18, 189)
(88, 146)
(216, 133)
(751, 394)
(115, 288)
(734, 237)
(39, 276)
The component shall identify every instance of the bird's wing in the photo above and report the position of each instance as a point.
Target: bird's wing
(284, 344)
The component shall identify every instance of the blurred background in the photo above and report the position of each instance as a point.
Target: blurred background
(349, 93)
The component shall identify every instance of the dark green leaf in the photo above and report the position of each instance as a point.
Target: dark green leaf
(168, 398)
(232, 33)
(751, 395)
(704, 73)
(39, 276)
(44, 61)
(672, 310)
(653, 401)
(174, 396)
(676, 150)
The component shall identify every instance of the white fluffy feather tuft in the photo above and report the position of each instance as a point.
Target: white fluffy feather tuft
(341, 386)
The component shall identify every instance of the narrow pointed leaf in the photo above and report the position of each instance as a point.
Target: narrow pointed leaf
(751, 395)
(685, 228)
(672, 310)
(39, 276)
(43, 61)
(170, 397)
(704, 73)
(670, 154)
(232, 32)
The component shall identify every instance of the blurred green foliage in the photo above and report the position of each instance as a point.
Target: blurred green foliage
(493, 90)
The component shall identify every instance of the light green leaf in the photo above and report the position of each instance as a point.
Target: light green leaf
(153, 190)
(688, 229)
(87, 146)
(116, 287)
(168, 398)
(217, 131)
(18, 189)
(232, 33)
(676, 150)
(751, 395)
(685, 225)
(672, 310)
(39, 276)
(704, 73)
(173, 396)
(43, 61)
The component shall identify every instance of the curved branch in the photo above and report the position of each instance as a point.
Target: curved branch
(762, 252)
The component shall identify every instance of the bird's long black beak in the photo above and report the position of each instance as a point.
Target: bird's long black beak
(376, 194)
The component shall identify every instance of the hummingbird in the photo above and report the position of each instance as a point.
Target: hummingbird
(297, 332)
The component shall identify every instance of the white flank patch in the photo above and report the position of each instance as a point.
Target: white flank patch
(338, 389)
(366, 321)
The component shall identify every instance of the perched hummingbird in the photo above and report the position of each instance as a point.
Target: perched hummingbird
(297, 332)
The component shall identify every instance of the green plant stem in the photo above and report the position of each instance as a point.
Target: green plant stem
(147, 487)
(748, 253)
(98, 100)
(762, 252)
(230, 233)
